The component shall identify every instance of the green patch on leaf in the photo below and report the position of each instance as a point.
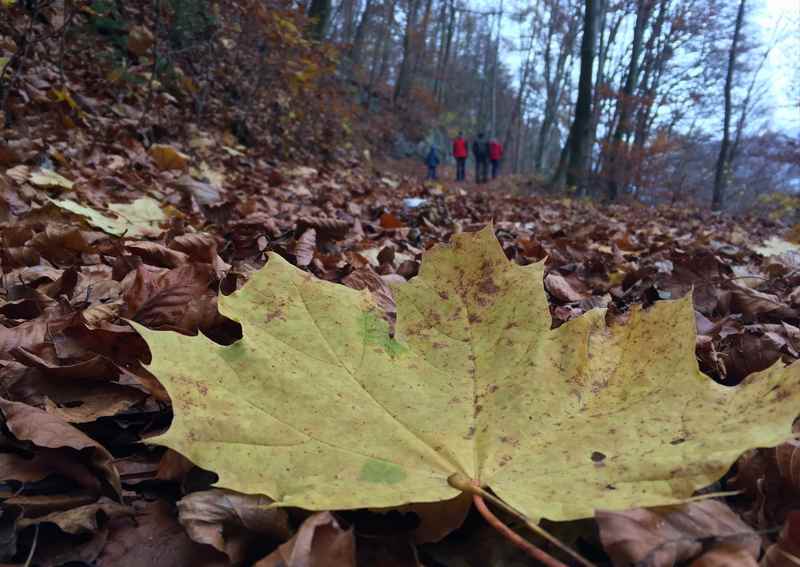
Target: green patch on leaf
(382, 472)
(376, 332)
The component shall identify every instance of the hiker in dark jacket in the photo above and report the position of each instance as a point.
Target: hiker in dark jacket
(432, 161)
(480, 149)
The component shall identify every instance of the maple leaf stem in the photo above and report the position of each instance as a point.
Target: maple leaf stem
(33, 547)
(479, 495)
(529, 548)
(789, 556)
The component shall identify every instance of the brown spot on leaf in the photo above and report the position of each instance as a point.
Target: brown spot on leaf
(504, 460)
(488, 287)
(274, 314)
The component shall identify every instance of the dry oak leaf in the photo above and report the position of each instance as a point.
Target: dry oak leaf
(140, 40)
(167, 157)
(669, 535)
(28, 423)
(318, 407)
(49, 178)
(137, 219)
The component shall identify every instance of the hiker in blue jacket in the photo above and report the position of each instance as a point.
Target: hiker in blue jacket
(432, 161)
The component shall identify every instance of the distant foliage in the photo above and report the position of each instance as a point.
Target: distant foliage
(781, 206)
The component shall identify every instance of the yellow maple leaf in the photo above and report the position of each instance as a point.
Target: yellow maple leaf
(319, 407)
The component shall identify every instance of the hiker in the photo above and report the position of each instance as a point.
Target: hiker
(460, 153)
(495, 156)
(432, 161)
(480, 149)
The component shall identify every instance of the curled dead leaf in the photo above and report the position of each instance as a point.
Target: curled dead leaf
(304, 248)
(231, 522)
(321, 541)
(561, 289)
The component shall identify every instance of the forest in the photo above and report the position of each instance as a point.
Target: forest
(625, 94)
(399, 283)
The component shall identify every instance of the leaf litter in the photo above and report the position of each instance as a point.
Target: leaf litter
(68, 290)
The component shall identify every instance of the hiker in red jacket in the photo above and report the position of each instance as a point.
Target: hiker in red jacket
(495, 156)
(460, 153)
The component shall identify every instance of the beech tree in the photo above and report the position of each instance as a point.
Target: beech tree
(724, 157)
(573, 163)
(319, 12)
(626, 103)
(562, 30)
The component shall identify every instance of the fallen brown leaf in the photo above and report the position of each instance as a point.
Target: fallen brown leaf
(666, 536)
(46, 430)
(233, 523)
(320, 542)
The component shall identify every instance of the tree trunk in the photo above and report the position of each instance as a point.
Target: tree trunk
(404, 75)
(442, 74)
(574, 156)
(554, 83)
(356, 50)
(746, 107)
(495, 57)
(348, 9)
(318, 12)
(381, 62)
(653, 61)
(547, 117)
(419, 46)
(516, 110)
(617, 154)
(723, 160)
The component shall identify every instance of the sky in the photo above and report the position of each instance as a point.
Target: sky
(782, 68)
(778, 22)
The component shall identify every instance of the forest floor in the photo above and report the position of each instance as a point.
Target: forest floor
(79, 484)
